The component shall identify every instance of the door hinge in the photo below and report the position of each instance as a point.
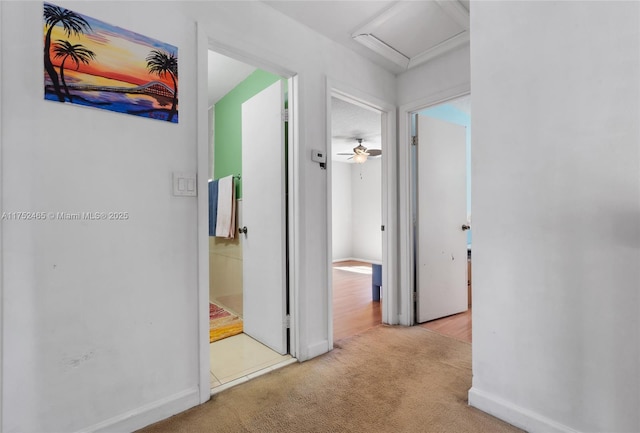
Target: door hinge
(382, 228)
(285, 114)
(287, 321)
(414, 140)
(415, 296)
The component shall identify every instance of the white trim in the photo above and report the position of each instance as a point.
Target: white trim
(386, 51)
(405, 223)
(450, 44)
(456, 12)
(390, 287)
(293, 214)
(329, 208)
(1, 238)
(382, 18)
(202, 158)
(238, 54)
(319, 348)
(243, 379)
(356, 259)
(143, 416)
(518, 416)
(389, 196)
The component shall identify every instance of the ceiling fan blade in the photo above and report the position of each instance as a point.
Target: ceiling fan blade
(374, 152)
(351, 153)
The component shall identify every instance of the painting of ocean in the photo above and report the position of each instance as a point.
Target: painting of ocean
(91, 63)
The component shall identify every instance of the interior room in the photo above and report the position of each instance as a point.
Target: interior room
(236, 353)
(356, 216)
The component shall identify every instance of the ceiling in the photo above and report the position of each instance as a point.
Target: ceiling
(225, 73)
(396, 35)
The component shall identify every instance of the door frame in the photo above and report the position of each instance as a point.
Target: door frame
(406, 190)
(204, 43)
(387, 110)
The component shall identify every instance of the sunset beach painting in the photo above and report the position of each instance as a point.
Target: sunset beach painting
(91, 63)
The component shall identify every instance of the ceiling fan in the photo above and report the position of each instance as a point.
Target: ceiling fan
(361, 153)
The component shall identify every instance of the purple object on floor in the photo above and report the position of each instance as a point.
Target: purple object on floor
(376, 284)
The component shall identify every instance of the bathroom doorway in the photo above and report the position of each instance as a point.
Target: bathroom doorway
(248, 284)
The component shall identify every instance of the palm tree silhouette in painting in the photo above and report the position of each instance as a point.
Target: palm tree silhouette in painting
(72, 24)
(162, 63)
(77, 53)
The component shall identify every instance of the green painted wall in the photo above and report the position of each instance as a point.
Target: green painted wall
(228, 125)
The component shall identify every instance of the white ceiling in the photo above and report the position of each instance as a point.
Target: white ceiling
(225, 73)
(336, 20)
(397, 35)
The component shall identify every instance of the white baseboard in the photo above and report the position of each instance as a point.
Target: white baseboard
(356, 259)
(520, 417)
(317, 349)
(345, 259)
(148, 414)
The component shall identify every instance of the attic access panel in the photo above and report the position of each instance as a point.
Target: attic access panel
(410, 33)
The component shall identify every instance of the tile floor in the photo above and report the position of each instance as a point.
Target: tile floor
(239, 358)
(231, 303)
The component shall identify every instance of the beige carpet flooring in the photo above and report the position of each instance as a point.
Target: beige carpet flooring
(387, 379)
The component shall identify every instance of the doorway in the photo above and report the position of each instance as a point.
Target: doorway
(356, 216)
(248, 171)
(441, 179)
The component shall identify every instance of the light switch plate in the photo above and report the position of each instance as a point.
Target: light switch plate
(184, 184)
(318, 156)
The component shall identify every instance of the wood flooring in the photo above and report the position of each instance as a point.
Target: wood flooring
(457, 326)
(354, 311)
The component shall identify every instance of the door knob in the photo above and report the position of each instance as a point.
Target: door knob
(465, 227)
(243, 230)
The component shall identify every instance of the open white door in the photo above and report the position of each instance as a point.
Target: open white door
(441, 253)
(264, 216)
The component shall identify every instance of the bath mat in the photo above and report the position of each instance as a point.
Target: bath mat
(222, 324)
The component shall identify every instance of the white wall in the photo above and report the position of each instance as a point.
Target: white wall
(357, 210)
(98, 316)
(366, 181)
(341, 236)
(441, 78)
(556, 210)
(100, 319)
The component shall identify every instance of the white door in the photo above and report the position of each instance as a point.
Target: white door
(441, 256)
(264, 216)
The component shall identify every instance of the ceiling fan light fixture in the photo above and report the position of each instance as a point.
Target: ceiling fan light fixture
(360, 158)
